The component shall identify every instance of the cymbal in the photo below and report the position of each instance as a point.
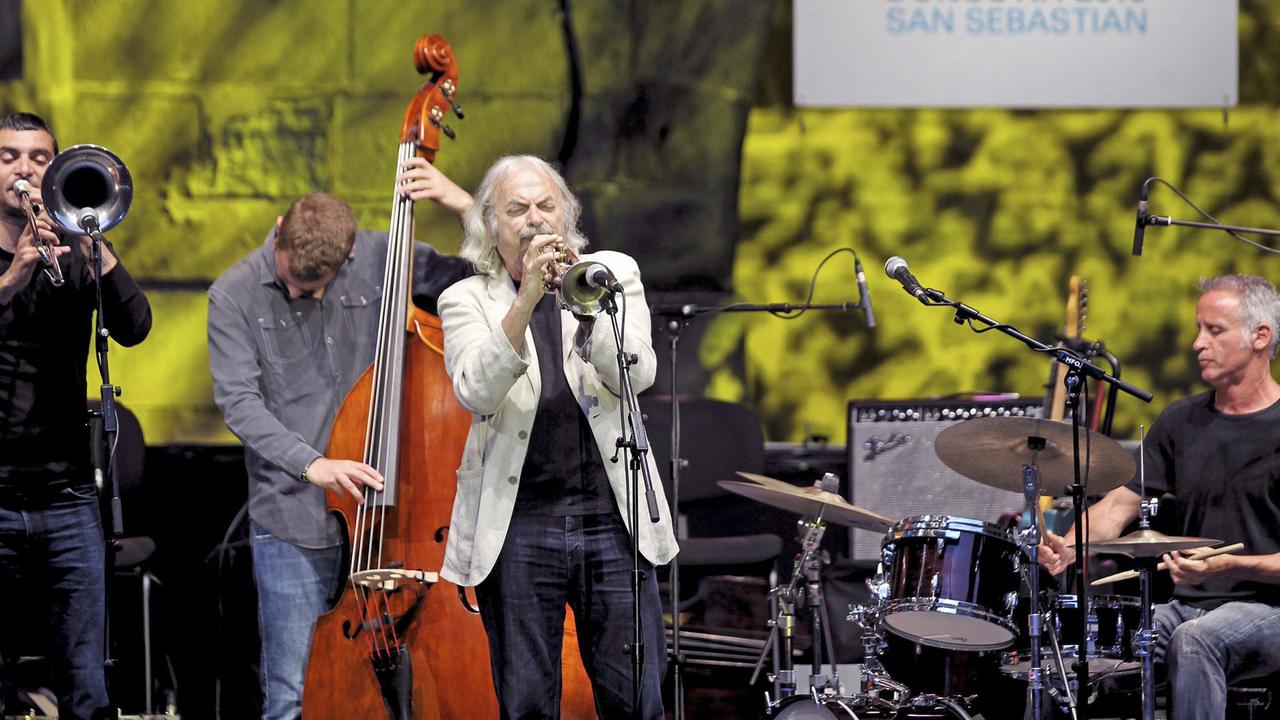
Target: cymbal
(1148, 543)
(807, 501)
(993, 450)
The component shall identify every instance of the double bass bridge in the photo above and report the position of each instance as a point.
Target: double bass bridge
(390, 579)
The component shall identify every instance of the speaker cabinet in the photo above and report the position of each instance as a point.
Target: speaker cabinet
(893, 469)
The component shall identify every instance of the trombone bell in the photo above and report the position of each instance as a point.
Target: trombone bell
(87, 187)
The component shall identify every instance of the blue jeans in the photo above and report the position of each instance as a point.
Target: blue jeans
(295, 586)
(53, 558)
(1207, 650)
(584, 561)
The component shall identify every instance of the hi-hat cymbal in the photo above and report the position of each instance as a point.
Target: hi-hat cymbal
(993, 451)
(1148, 543)
(807, 501)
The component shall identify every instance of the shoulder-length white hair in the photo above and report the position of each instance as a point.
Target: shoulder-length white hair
(480, 223)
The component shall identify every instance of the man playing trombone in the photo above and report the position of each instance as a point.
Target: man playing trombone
(52, 553)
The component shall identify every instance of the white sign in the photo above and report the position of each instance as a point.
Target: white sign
(1016, 53)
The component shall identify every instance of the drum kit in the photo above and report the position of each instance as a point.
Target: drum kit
(947, 599)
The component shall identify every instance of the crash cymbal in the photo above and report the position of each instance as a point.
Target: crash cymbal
(806, 501)
(1148, 543)
(993, 450)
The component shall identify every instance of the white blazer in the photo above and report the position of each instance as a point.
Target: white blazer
(501, 389)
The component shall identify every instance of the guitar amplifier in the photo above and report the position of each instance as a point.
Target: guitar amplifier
(893, 469)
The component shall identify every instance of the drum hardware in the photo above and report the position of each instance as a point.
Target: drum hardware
(1031, 489)
(807, 568)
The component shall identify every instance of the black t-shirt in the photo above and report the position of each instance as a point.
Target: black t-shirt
(1224, 471)
(563, 473)
(45, 335)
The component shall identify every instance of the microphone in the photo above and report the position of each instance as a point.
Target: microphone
(896, 268)
(598, 276)
(863, 295)
(1140, 226)
(88, 219)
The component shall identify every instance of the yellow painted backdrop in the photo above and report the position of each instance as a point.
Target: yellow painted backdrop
(225, 111)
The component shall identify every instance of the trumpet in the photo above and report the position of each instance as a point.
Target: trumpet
(554, 275)
(567, 277)
(48, 256)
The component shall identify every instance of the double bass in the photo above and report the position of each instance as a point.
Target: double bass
(400, 642)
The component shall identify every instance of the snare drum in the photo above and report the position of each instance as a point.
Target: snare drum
(952, 582)
(1110, 643)
(1119, 617)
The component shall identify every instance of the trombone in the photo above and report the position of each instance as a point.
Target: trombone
(87, 189)
(48, 257)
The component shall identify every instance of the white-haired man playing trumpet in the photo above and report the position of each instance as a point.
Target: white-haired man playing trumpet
(540, 518)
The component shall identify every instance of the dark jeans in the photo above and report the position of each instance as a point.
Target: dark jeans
(584, 561)
(52, 568)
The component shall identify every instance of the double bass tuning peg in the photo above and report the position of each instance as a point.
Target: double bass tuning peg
(436, 118)
(447, 90)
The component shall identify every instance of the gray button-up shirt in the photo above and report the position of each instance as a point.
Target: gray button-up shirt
(281, 368)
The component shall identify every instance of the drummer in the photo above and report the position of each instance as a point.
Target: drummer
(1218, 452)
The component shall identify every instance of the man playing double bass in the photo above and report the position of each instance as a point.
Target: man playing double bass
(291, 328)
(1219, 453)
(540, 515)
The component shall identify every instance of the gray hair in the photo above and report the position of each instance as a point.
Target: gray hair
(1259, 303)
(480, 223)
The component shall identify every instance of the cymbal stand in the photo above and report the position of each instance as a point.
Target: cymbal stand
(1144, 639)
(1062, 666)
(785, 677)
(1031, 491)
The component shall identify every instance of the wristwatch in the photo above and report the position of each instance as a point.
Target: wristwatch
(302, 476)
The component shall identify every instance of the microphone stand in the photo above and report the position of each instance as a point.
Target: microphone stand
(1164, 220)
(113, 523)
(678, 319)
(1076, 367)
(637, 446)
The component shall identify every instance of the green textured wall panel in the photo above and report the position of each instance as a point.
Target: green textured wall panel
(226, 111)
(166, 378)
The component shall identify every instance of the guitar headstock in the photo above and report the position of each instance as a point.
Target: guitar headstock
(424, 119)
(1077, 307)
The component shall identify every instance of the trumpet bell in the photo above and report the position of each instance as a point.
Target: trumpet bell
(86, 180)
(579, 297)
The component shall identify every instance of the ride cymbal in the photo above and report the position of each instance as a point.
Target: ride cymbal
(993, 451)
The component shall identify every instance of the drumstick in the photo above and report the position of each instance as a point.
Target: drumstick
(1203, 555)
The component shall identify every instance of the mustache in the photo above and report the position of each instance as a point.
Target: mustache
(542, 229)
